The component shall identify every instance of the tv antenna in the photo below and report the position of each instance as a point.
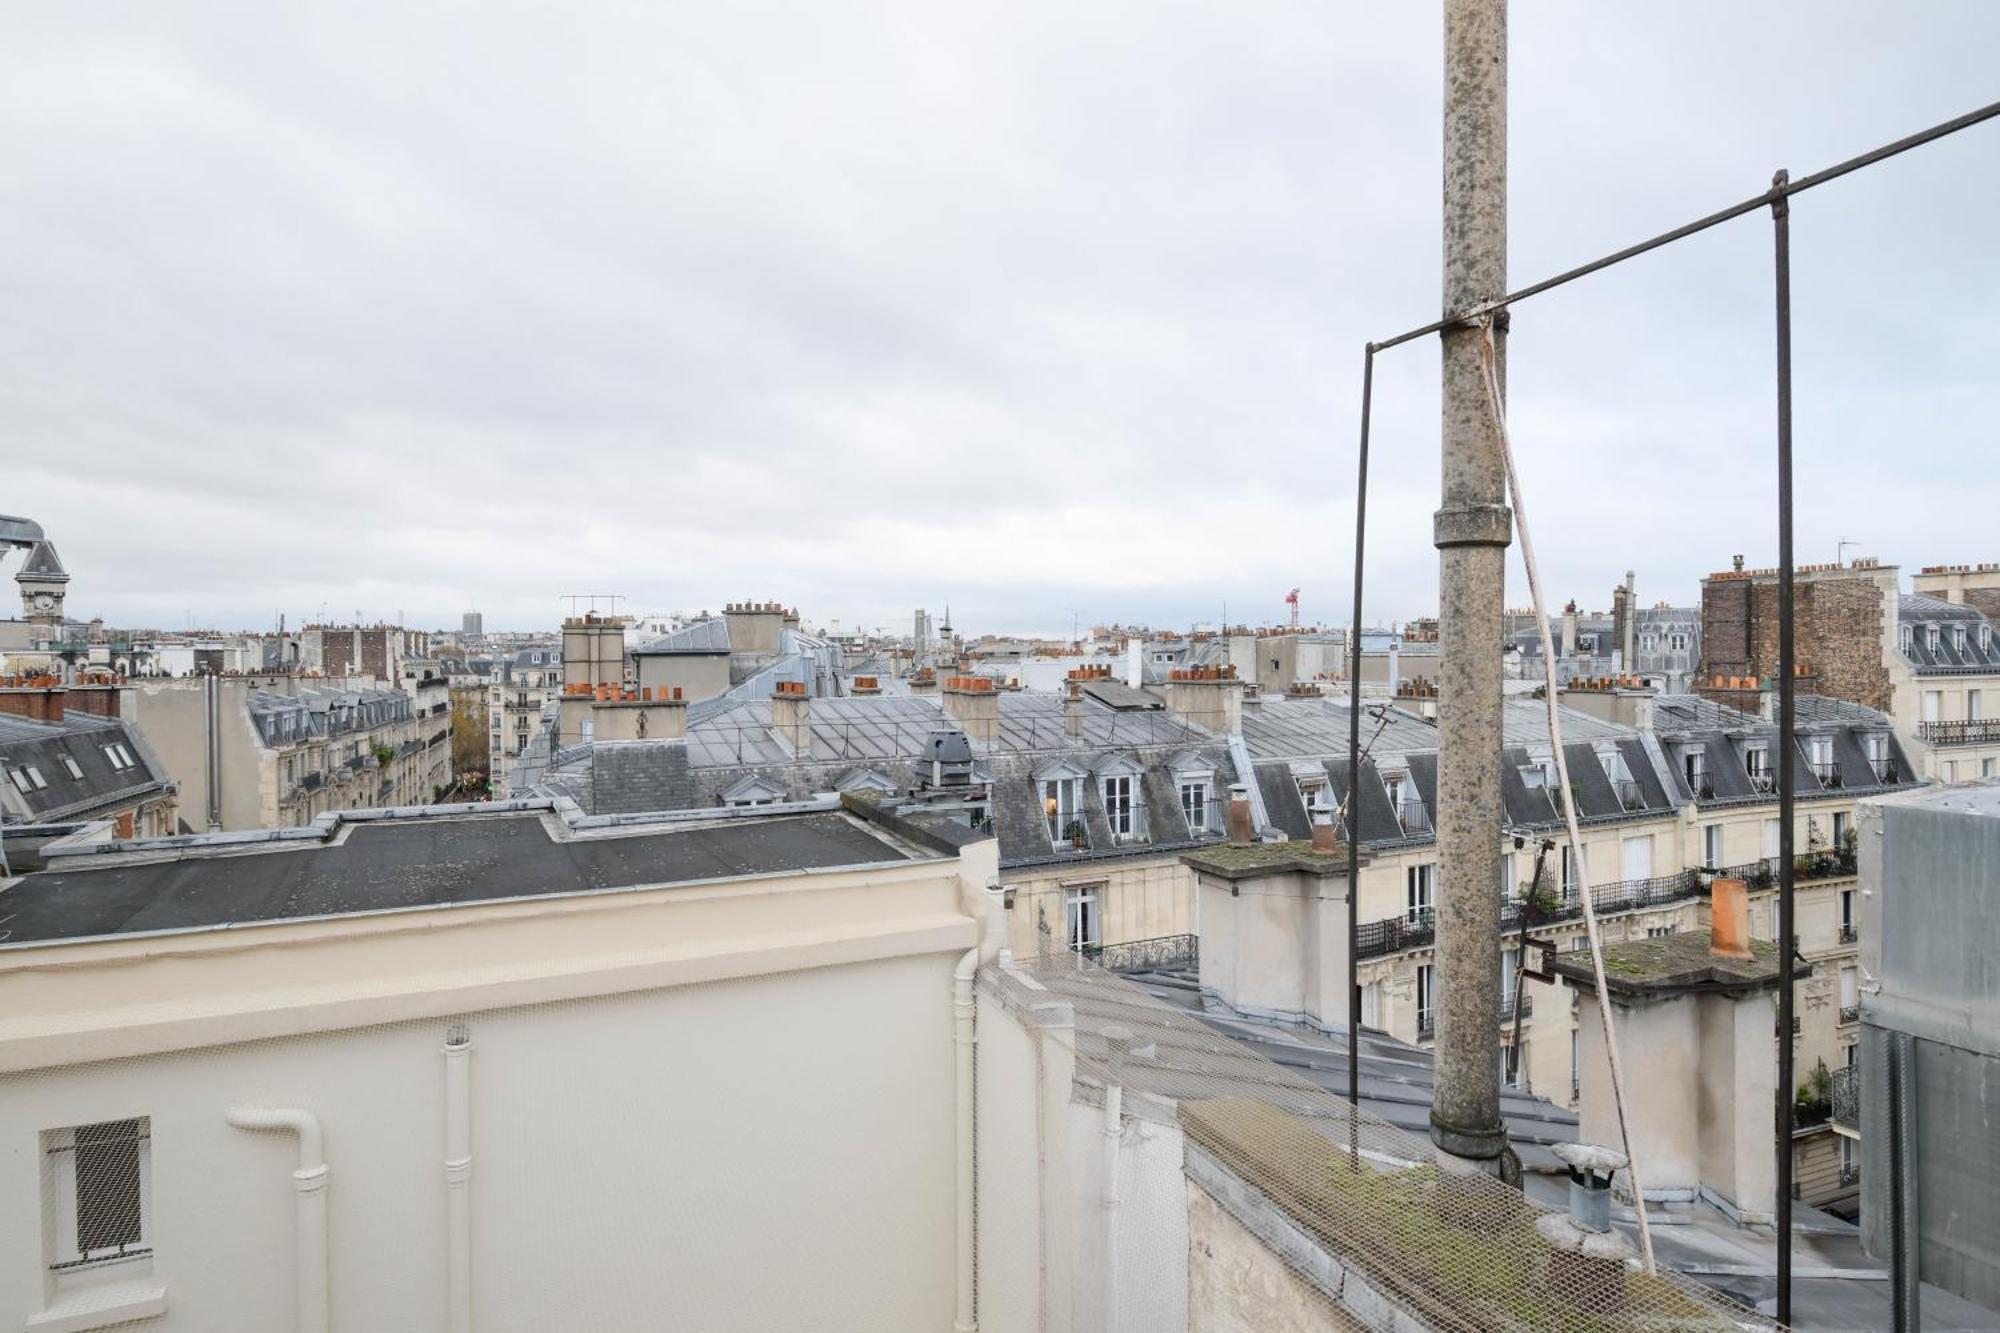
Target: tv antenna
(1840, 549)
(590, 601)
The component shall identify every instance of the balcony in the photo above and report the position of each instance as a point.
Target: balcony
(1845, 1097)
(1519, 1002)
(1807, 867)
(1128, 823)
(1067, 831)
(1413, 817)
(1827, 774)
(1166, 953)
(1413, 930)
(1978, 731)
(1850, 1013)
(1426, 1024)
(1848, 934)
(1630, 796)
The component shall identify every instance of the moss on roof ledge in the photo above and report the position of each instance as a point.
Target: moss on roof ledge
(1673, 963)
(1228, 860)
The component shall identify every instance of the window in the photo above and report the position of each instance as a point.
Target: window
(1958, 639)
(1194, 804)
(1877, 744)
(1371, 1005)
(1570, 877)
(1510, 962)
(1579, 944)
(1635, 857)
(120, 757)
(1975, 705)
(1850, 993)
(1950, 773)
(1770, 838)
(1931, 637)
(97, 1193)
(1711, 846)
(1757, 762)
(1084, 913)
(1933, 704)
(1426, 998)
(74, 770)
(1575, 1068)
(1310, 790)
(1842, 822)
(1118, 809)
(1510, 1066)
(1908, 640)
(1694, 766)
(1421, 883)
(1059, 801)
(1847, 913)
(1989, 768)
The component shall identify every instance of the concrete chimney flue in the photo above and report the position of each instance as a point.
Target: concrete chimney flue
(1325, 833)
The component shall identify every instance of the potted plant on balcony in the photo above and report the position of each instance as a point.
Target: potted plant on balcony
(1074, 832)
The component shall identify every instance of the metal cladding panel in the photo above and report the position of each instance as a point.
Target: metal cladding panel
(1641, 764)
(1525, 805)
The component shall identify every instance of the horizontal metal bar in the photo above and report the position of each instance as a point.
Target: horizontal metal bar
(1736, 210)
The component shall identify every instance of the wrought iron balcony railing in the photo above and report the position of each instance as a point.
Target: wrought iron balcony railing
(1166, 953)
(1846, 1098)
(1977, 731)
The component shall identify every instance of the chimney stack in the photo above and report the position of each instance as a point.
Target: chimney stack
(1729, 918)
(791, 716)
(1326, 835)
(1241, 832)
(1073, 709)
(974, 705)
(37, 703)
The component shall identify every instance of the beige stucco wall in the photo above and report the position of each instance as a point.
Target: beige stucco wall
(699, 675)
(1143, 898)
(1237, 1285)
(1277, 945)
(669, 1087)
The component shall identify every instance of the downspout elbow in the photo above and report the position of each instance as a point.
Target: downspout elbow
(312, 1146)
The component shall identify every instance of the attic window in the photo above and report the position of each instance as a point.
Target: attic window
(1985, 638)
(1909, 639)
(71, 765)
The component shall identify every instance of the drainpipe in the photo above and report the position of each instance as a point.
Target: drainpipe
(1119, 1040)
(458, 1178)
(309, 1186)
(988, 911)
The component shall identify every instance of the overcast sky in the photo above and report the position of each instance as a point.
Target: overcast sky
(1040, 309)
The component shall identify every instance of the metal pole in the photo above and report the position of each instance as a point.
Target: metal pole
(1787, 741)
(1353, 829)
(1473, 529)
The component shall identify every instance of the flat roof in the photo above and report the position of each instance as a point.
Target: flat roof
(424, 862)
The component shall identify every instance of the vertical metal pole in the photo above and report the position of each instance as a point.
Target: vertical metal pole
(1787, 742)
(1353, 830)
(1473, 529)
(1899, 1054)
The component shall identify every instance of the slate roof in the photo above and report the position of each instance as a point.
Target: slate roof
(420, 862)
(80, 737)
(1682, 720)
(43, 563)
(1914, 610)
(704, 636)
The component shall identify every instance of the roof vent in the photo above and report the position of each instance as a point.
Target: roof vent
(949, 755)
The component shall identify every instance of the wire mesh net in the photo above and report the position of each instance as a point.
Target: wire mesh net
(1356, 1214)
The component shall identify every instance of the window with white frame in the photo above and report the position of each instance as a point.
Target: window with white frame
(1757, 763)
(1575, 1065)
(1933, 705)
(1771, 832)
(1195, 803)
(1119, 810)
(1371, 1005)
(1421, 884)
(1711, 846)
(1570, 877)
(97, 1193)
(72, 768)
(120, 757)
(1908, 639)
(1975, 705)
(1083, 910)
(1510, 961)
(1426, 999)
(28, 778)
(1310, 789)
(1510, 1066)
(1059, 802)
(1958, 639)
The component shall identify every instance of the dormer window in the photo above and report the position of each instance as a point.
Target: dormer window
(1931, 637)
(1908, 636)
(1195, 804)
(1985, 638)
(1757, 762)
(1694, 767)
(1063, 809)
(1121, 808)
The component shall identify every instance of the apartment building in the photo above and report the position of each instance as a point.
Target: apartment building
(519, 685)
(377, 650)
(429, 687)
(68, 757)
(276, 750)
(254, 1111)
(1928, 658)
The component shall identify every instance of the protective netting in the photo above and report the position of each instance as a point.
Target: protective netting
(1294, 1200)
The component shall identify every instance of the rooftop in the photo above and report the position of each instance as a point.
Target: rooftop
(343, 866)
(1682, 961)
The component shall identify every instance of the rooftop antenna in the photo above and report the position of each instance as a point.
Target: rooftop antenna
(1840, 549)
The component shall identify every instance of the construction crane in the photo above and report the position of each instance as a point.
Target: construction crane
(1292, 600)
